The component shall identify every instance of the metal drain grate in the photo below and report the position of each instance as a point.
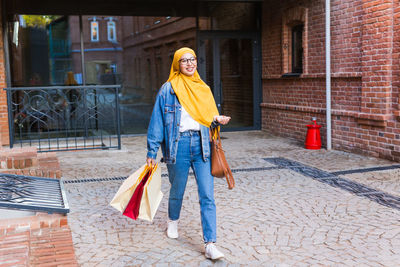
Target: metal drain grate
(373, 169)
(32, 193)
(88, 180)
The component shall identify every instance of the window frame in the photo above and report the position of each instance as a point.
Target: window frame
(297, 53)
(292, 18)
(94, 27)
(111, 25)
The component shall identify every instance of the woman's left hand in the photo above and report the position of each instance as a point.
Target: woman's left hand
(222, 119)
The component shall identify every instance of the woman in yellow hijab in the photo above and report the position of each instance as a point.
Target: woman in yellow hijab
(184, 112)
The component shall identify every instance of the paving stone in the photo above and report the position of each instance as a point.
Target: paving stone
(273, 217)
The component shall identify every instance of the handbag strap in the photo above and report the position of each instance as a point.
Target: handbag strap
(229, 178)
(218, 139)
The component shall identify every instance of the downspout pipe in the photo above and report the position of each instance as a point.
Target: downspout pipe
(328, 73)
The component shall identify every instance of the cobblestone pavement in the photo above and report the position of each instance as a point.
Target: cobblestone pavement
(273, 217)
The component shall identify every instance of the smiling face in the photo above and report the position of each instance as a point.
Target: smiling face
(188, 64)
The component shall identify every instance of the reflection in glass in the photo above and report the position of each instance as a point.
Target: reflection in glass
(94, 30)
(139, 58)
(237, 81)
(40, 51)
(209, 60)
(132, 51)
(111, 31)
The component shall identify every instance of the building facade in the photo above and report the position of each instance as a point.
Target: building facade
(365, 43)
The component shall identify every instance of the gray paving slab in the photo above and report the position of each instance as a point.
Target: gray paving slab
(274, 217)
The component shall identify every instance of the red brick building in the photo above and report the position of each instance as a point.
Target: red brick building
(149, 44)
(287, 84)
(365, 46)
(103, 55)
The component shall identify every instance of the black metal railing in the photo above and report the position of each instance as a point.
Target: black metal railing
(60, 118)
(32, 193)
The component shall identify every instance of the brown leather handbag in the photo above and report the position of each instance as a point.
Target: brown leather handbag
(219, 165)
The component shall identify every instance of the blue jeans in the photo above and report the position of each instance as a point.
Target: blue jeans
(189, 154)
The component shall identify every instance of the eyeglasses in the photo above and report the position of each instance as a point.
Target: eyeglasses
(187, 60)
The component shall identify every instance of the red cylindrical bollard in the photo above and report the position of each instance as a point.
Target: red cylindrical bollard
(313, 138)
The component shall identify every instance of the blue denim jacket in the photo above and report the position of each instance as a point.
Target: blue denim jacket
(164, 127)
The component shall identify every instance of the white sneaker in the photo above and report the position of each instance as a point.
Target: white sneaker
(212, 252)
(172, 231)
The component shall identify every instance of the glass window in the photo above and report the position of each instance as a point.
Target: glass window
(46, 50)
(297, 49)
(94, 30)
(113, 68)
(112, 36)
(40, 51)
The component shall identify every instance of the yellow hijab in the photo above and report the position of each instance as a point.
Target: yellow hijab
(193, 94)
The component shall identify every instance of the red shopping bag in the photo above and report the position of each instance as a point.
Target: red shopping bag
(132, 209)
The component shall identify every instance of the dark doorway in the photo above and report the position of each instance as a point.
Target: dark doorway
(229, 63)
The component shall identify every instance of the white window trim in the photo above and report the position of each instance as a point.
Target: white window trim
(111, 24)
(94, 24)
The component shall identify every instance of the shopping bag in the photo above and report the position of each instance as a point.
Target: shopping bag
(140, 194)
(126, 190)
(152, 195)
(132, 209)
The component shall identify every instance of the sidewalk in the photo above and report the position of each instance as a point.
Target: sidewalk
(290, 207)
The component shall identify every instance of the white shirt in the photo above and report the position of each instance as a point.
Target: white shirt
(187, 122)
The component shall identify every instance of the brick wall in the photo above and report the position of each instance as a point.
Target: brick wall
(4, 135)
(365, 75)
(396, 59)
(27, 161)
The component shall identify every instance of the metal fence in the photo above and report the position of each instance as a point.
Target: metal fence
(60, 118)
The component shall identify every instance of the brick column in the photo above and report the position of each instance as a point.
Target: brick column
(377, 45)
(4, 134)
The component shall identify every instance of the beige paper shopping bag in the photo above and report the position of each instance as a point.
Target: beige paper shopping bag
(126, 190)
(152, 195)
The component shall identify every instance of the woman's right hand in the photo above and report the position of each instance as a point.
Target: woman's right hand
(222, 119)
(151, 162)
